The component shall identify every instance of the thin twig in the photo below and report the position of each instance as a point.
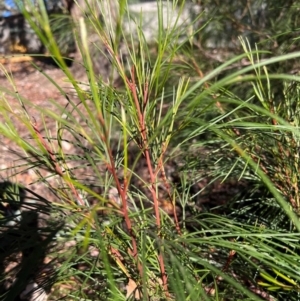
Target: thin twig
(54, 163)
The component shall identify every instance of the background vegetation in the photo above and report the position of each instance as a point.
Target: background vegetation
(193, 144)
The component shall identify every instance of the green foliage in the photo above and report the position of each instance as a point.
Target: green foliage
(143, 228)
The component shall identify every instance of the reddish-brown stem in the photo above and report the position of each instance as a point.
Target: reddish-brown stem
(145, 149)
(121, 190)
(160, 168)
(225, 268)
(54, 163)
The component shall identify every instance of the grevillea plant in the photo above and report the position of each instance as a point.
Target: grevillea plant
(131, 212)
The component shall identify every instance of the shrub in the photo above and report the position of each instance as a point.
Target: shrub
(153, 145)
